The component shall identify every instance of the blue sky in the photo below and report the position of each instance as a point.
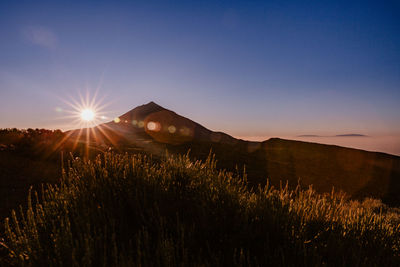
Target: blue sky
(248, 68)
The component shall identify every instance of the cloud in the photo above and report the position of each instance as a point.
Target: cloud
(40, 36)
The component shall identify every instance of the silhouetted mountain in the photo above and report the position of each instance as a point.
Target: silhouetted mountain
(338, 135)
(154, 129)
(151, 128)
(165, 126)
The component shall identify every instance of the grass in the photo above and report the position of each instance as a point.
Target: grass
(130, 210)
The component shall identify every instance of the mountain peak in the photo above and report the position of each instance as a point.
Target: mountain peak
(151, 103)
(140, 112)
(151, 106)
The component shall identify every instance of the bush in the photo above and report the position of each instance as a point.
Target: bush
(122, 210)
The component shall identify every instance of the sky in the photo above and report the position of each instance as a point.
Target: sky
(252, 69)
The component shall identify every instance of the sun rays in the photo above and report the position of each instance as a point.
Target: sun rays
(88, 117)
(88, 111)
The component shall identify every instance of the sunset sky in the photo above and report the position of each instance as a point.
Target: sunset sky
(249, 68)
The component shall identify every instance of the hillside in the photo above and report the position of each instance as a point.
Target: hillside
(154, 129)
(121, 210)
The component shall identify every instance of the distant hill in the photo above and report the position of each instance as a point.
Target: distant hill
(338, 135)
(154, 129)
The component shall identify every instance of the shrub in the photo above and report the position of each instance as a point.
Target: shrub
(122, 210)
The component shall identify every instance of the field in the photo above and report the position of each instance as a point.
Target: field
(132, 210)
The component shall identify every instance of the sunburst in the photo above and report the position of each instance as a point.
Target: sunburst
(88, 116)
(87, 112)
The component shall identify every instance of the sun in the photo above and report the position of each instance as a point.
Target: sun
(88, 118)
(88, 115)
(86, 111)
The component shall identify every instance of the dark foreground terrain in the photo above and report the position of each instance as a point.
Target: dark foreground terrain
(122, 210)
(144, 205)
(155, 130)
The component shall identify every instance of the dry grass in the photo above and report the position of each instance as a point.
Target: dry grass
(122, 210)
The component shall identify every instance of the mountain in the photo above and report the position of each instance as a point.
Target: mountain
(154, 129)
(338, 135)
(154, 122)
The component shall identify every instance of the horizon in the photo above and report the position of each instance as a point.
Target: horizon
(383, 144)
(253, 70)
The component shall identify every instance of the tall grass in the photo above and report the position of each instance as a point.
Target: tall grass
(122, 210)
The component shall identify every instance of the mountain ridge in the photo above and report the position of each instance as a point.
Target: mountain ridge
(166, 125)
(153, 129)
(337, 135)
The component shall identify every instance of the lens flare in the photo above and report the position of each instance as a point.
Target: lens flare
(153, 126)
(171, 129)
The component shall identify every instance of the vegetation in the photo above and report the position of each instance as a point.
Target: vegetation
(27, 158)
(28, 137)
(122, 210)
